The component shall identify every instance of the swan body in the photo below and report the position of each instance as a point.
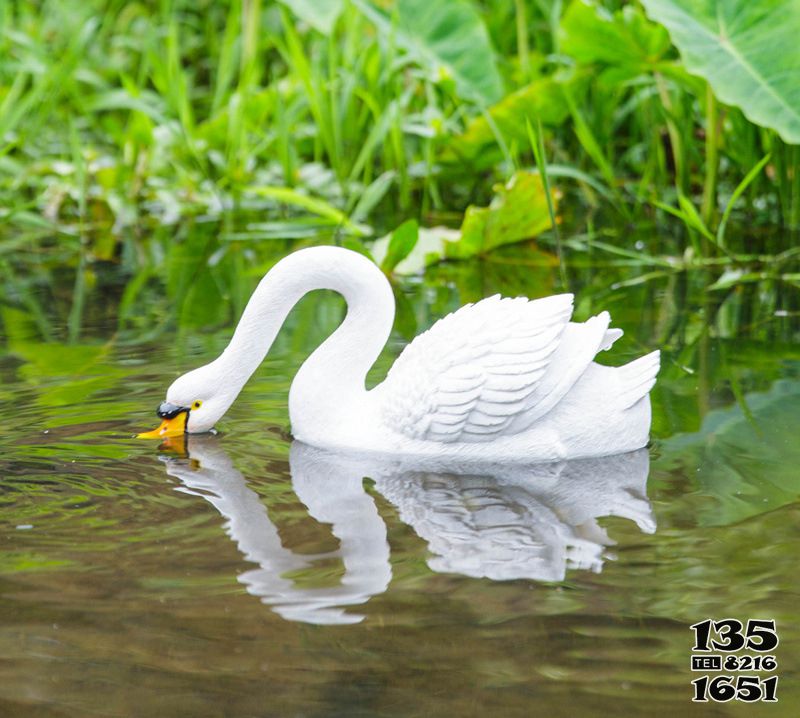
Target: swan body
(499, 380)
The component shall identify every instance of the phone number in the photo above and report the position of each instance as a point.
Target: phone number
(734, 663)
(748, 689)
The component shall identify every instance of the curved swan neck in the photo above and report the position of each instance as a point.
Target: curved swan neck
(334, 375)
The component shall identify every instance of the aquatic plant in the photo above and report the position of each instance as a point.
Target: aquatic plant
(467, 125)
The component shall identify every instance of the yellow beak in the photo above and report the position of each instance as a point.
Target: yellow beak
(176, 426)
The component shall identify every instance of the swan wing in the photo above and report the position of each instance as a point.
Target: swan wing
(490, 369)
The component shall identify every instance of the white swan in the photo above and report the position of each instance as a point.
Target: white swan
(499, 380)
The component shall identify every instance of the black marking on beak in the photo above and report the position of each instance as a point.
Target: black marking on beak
(170, 411)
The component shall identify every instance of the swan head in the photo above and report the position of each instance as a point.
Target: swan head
(195, 402)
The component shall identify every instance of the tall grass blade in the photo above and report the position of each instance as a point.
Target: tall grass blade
(537, 145)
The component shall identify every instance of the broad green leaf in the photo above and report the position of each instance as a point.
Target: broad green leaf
(542, 99)
(446, 37)
(746, 49)
(320, 14)
(625, 39)
(518, 211)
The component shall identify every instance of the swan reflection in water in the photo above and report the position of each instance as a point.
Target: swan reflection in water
(485, 521)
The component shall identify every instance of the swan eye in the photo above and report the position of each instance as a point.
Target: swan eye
(197, 404)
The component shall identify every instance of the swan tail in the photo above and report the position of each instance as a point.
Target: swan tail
(637, 378)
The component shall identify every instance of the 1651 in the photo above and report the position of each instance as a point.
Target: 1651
(748, 689)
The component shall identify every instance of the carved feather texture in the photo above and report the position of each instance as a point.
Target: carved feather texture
(490, 368)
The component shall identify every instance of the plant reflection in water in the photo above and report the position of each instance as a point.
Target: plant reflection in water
(491, 521)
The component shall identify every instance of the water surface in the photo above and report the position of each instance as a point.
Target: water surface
(245, 575)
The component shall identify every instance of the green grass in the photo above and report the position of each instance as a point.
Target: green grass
(118, 119)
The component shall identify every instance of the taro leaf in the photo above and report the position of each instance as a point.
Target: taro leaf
(746, 49)
(518, 211)
(430, 247)
(744, 456)
(320, 14)
(542, 99)
(447, 38)
(626, 39)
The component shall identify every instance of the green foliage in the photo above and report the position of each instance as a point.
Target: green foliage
(542, 99)
(624, 40)
(446, 37)
(430, 246)
(518, 211)
(401, 243)
(340, 120)
(320, 14)
(157, 158)
(746, 50)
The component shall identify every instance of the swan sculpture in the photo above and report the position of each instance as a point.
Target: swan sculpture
(499, 380)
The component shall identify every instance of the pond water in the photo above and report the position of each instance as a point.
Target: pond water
(244, 575)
